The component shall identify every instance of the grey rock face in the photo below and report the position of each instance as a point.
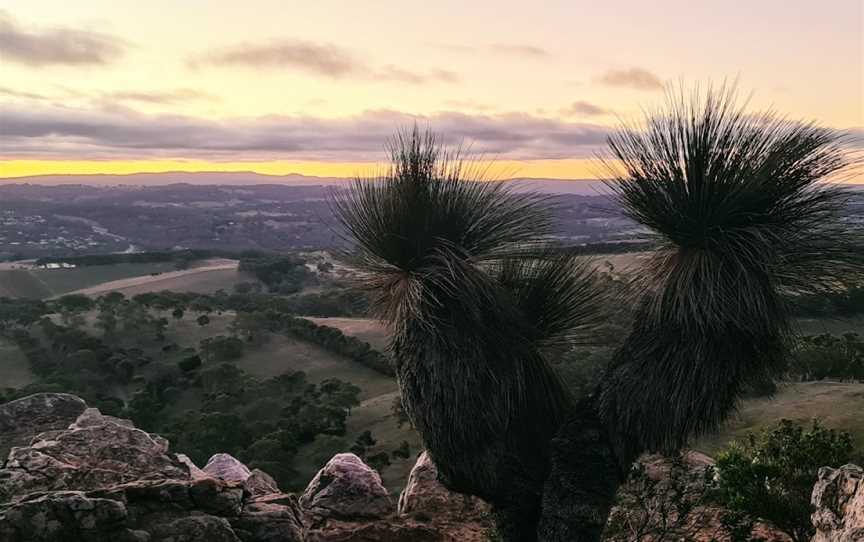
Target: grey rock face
(23, 419)
(838, 504)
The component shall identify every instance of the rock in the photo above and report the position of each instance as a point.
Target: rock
(95, 451)
(66, 515)
(348, 489)
(194, 471)
(196, 529)
(424, 494)
(23, 419)
(260, 483)
(271, 518)
(224, 466)
(379, 531)
(838, 504)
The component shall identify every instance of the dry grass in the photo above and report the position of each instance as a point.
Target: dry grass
(836, 405)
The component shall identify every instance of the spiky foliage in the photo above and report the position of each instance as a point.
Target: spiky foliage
(461, 270)
(745, 223)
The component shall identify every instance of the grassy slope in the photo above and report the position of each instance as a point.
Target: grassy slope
(14, 369)
(22, 283)
(836, 405)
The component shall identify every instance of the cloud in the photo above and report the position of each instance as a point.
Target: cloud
(394, 73)
(581, 107)
(468, 104)
(11, 92)
(316, 58)
(179, 95)
(69, 46)
(62, 132)
(519, 49)
(508, 49)
(636, 78)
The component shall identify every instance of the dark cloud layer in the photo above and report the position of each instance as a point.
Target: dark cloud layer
(66, 132)
(636, 78)
(40, 47)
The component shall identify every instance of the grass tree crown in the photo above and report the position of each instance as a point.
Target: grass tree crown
(747, 220)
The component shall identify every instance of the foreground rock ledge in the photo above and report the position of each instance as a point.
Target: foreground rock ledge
(74, 474)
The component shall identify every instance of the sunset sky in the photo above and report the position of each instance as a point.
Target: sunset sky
(316, 87)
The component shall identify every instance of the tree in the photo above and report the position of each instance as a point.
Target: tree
(770, 476)
(203, 320)
(477, 303)
(462, 273)
(221, 348)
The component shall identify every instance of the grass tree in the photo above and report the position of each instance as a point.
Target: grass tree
(462, 271)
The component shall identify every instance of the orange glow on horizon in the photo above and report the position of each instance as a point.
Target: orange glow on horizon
(550, 169)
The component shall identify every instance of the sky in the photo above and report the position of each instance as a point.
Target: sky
(278, 86)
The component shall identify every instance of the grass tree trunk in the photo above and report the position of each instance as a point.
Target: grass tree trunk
(584, 477)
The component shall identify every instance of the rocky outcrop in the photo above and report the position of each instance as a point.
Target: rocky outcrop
(24, 418)
(93, 452)
(100, 479)
(838, 505)
(74, 474)
(644, 511)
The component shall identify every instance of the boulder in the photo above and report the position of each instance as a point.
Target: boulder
(226, 467)
(347, 489)
(424, 494)
(194, 471)
(93, 452)
(23, 419)
(838, 505)
(260, 483)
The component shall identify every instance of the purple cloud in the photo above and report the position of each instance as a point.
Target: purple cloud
(56, 45)
(636, 78)
(323, 59)
(581, 107)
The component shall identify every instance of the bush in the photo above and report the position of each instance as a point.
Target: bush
(769, 477)
(818, 357)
